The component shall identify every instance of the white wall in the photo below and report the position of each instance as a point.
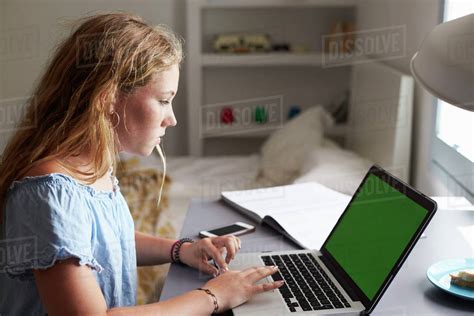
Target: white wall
(19, 74)
(418, 17)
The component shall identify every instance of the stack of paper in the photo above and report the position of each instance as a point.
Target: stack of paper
(304, 212)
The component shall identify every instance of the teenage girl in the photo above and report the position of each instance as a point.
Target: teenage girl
(68, 242)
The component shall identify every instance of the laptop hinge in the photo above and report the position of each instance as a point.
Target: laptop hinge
(345, 285)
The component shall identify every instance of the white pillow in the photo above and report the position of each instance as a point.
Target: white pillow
(339, 169)
(285, 151)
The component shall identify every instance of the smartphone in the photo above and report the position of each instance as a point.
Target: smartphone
(238, 228)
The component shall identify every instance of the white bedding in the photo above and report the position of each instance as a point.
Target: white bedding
(338, 169)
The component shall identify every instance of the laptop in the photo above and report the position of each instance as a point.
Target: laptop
(357, 262)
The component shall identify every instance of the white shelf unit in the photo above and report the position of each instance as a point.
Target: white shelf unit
(218, 78)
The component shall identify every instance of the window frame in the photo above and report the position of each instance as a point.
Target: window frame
(453, 169)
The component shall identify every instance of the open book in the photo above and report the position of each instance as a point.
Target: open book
(303, 212)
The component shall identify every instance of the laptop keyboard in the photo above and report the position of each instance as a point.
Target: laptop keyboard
(307, 287)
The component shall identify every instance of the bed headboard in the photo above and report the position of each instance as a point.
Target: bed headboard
(380, 116)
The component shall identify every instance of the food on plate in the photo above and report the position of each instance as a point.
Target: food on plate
(463, 278)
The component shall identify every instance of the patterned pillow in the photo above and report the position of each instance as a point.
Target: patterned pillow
(140, 187)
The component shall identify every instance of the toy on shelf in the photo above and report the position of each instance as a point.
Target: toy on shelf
(293, 111)
(227, 115)
(238, 43)
(242, 43)
(260, 115)
(281, 47)
(257, 42)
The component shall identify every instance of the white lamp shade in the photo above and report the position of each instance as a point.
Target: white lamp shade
(444, 65)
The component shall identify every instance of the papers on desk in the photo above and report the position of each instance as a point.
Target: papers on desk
(303, 212)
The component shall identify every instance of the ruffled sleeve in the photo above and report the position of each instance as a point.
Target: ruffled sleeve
(46, 221)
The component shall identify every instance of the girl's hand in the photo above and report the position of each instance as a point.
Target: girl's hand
(198, 254)
(236, 287)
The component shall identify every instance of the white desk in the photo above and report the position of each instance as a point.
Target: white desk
(409, 294)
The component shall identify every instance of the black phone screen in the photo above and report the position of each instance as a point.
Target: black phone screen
(226, 230)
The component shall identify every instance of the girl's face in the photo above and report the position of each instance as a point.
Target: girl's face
(146, 112)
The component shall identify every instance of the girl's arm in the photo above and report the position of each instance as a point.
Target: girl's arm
(152, 250)
(70, 289)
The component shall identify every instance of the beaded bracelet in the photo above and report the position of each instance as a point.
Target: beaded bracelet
(174, 253)
(214, 298)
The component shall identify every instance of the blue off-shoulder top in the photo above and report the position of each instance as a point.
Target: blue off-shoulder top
(54, 217)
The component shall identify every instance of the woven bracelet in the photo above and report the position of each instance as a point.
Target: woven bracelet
(176, 247)
(214, 298)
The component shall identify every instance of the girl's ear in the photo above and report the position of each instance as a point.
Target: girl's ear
(118, 101)
(112, 100)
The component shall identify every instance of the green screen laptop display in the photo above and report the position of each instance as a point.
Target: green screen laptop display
(373, 233)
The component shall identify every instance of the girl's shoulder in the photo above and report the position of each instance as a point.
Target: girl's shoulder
(49, 198)
(49, 177)
(46, 173)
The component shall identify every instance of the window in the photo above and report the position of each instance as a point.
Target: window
(455, 126)
(453, 144)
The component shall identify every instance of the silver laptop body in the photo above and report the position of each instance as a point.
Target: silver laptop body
(328, 281)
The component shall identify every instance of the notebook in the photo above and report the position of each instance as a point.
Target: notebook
(296, 210)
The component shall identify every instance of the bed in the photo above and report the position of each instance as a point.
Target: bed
(379, 131)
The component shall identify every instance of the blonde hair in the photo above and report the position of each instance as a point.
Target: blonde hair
(106, 54)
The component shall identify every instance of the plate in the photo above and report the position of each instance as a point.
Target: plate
(438, 274)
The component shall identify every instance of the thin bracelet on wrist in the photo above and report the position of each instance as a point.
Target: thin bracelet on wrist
(176, 248)
(172, 250)
(214, 298)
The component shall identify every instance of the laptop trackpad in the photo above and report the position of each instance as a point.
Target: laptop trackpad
(267, 303)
